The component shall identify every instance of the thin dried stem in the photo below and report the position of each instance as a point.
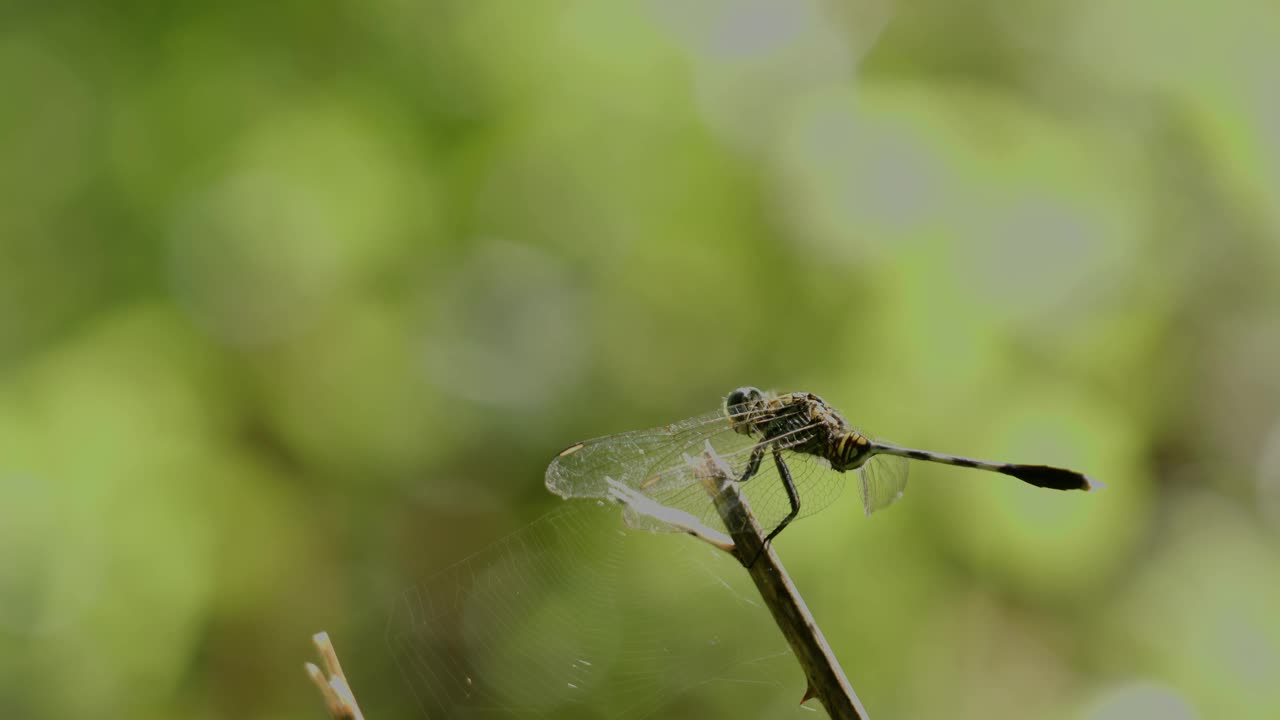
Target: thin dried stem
(826, 678)
(337, 694)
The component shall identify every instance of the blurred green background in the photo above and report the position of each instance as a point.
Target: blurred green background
(297, 300)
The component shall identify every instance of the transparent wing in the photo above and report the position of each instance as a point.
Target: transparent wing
(656, 464)
(883, 478)
(580, 470)
(817, 485)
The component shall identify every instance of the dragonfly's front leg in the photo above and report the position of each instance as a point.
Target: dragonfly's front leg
(792, 495)
(785, 473)
(753, 464)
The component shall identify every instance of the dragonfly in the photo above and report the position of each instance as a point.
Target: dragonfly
(789, 453)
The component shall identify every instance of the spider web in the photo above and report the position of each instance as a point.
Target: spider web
(576, 615)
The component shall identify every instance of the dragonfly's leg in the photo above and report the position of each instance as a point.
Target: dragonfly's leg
(792, 495)
(753, 465)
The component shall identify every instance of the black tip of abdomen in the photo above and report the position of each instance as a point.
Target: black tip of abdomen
(1050, 477)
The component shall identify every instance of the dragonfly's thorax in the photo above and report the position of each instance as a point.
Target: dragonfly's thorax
(803, 423)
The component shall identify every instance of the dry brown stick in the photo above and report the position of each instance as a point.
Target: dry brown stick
(337, 694)
(826, 678)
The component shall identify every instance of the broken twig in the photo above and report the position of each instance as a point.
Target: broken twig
(826, 678)
(337, 694)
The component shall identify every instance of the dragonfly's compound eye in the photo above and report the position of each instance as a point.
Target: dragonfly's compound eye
(742, 399)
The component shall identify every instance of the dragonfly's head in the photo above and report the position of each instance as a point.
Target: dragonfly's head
(741, 406)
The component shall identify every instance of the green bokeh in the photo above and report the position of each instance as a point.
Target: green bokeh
(297, 301)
